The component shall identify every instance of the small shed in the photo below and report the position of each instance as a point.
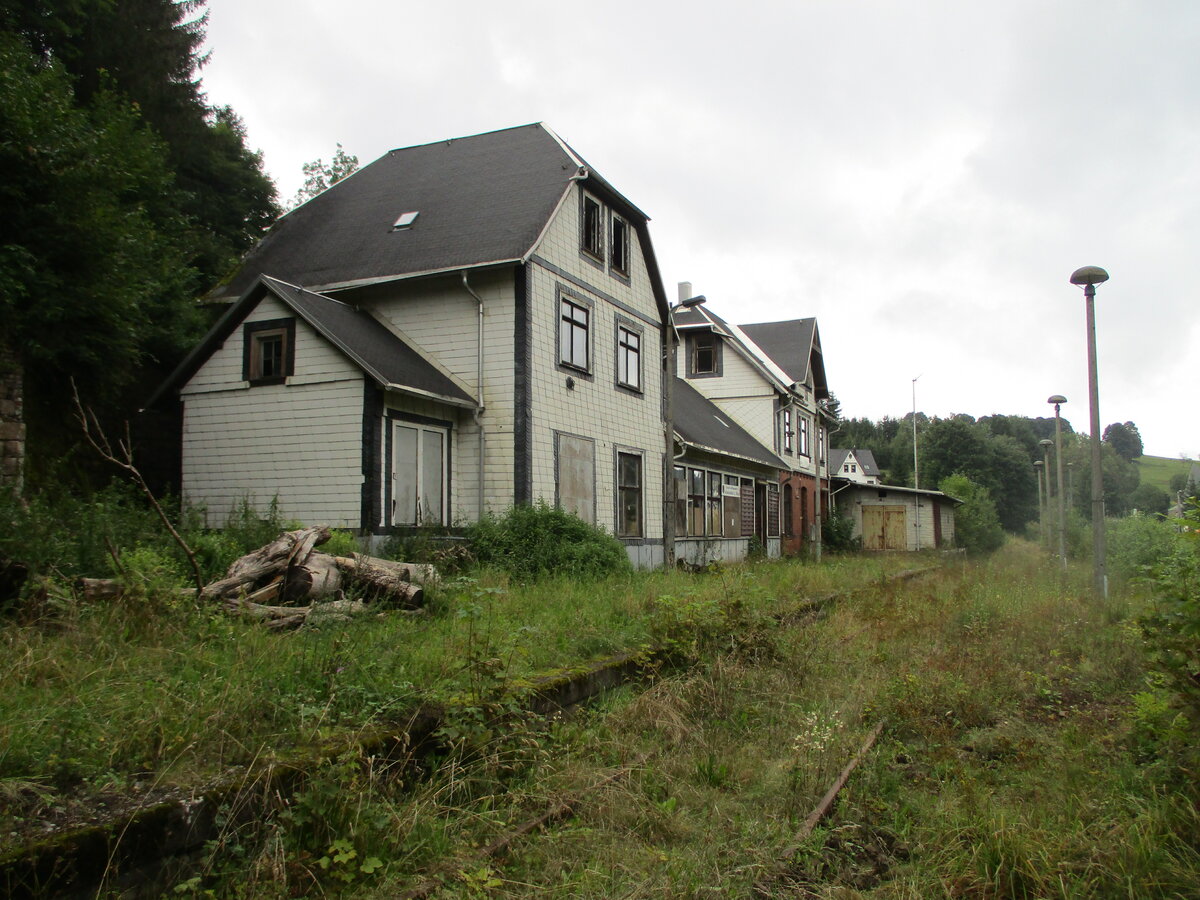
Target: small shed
(890, 517)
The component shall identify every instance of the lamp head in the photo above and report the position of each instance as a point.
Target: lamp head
(1057, 399)
(691, 301)
(1046, 442)
(1089, 275)
(1038, 464)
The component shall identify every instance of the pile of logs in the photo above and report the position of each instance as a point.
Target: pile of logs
(288, 580)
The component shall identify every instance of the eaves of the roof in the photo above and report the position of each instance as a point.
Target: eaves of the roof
(382, 355)
(923, 492)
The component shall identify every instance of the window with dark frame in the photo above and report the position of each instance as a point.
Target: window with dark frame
(787, 431)
(573, 335)
(268, 351)
(788, 530)
(619, 252)
(802, 436)
(629, 495)
(704, 353)
(593, 230)
(695, 500)
(629, 358)
(681, 502)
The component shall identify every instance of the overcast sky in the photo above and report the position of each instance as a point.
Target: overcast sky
(922, 177)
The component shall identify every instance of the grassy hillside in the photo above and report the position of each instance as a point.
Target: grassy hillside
(1157, 470)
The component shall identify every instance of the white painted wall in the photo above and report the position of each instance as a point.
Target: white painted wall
(300, 442)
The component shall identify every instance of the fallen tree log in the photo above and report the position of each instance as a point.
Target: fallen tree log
(290, 549)
(385, 582)
(417, 573)
(317, 576)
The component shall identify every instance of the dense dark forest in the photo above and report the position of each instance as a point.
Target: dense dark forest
(126, 197)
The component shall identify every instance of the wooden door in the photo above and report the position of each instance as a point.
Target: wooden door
(884, 528)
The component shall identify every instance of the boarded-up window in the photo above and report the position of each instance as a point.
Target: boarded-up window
(576, 476)
(772, 510)
(747, 507)
(680, 502)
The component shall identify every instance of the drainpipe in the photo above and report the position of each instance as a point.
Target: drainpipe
(477, 412)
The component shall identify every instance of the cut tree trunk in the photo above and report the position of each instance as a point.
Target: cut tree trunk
(317, 576)
(288, 550)
(386, 582)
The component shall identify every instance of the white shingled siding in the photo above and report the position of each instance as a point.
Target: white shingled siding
(300, 442)
(441, 319)
(595, 407)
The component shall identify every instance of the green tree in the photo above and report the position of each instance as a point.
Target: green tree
(319, 176)
(1125, 439)
(149, 51)
(93, 265)
(1147, 498)
(976, 522)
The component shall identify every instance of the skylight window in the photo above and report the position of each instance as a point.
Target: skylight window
(406, 220)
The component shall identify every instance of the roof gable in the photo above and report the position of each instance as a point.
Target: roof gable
(795, 347)
(381, 354)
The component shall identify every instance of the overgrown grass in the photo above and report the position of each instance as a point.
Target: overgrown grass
(153, 690)
(1015, 762)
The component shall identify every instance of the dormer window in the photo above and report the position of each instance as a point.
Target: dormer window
(593, 228)
(705, 356)
(619, 253)
(268, 351)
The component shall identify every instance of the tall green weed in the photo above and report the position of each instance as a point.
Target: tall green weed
(530, 542)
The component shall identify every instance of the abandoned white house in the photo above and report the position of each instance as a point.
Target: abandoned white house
(455, 328)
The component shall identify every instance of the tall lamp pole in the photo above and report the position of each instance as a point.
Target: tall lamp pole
(1087, 278)
(1058, 400)
(1047, 535)
(1039, 467)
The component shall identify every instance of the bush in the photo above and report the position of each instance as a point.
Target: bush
(976, 522)
(1135, 543)
(837, 533)
(529, 542)
(1172, 626)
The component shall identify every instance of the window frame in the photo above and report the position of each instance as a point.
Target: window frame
(591, 229)
(785, 431)
(421, 425)
(254, 336)
(638, 333)
(618, 245)
(693, 339)
(802, 445)
(570, 298)
(621, 489)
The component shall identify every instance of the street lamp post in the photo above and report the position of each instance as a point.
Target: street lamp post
(1087, 278)
(1058, 400)
(1039, 466)
(1047, 536)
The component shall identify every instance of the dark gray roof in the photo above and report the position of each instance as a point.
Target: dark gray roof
(481, 199)
(700, 422)
(793, 345)
(381, 354)
(377, 351)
